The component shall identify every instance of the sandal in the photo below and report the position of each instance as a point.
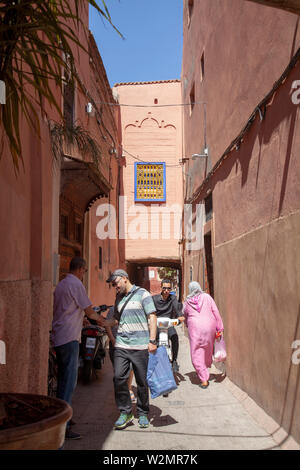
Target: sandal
(132, 396)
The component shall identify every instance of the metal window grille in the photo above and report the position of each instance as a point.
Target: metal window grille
(150, 181)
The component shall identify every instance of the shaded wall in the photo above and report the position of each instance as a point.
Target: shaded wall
(30, 223)
(257, 260)
(255, 191)
(26, 267)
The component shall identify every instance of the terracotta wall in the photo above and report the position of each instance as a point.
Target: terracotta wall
(105, 253)
(25, 265)
(27, 241)
(29, 232)
(152, 281)
(255, 190)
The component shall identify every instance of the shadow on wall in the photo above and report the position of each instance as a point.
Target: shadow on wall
(290, 406)
(279, 109)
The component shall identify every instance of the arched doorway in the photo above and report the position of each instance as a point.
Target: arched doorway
(81, 185)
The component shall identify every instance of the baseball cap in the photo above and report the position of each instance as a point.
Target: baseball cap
(117, 273)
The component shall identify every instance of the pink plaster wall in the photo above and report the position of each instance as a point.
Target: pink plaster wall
(109, 137)
(255, 191)
(26, 267)
(152, 281)
(151, 133)
(29, 224)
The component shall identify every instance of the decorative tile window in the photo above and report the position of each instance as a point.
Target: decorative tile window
(150, 181)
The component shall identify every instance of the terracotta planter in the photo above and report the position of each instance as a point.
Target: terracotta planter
(32, 422)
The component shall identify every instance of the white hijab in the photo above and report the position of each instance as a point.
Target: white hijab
(194, 289)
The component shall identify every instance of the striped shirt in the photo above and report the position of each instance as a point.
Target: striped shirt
(133, 330)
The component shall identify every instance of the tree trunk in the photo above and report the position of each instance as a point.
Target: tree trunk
(293, 6)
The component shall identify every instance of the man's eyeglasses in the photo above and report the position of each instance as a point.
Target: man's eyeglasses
(116, 282)
(166, 288)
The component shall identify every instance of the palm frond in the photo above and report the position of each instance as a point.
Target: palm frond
(36, 43)
(62, 135)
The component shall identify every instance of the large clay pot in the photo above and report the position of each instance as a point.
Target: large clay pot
(32, 422)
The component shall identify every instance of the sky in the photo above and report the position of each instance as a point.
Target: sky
(152, 48)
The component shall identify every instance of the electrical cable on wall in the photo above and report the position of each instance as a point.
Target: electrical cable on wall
(260, 110)
(98, 113)
(146, 161)
(151, 105)
(100, 121)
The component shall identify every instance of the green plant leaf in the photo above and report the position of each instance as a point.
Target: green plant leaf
(37, 41)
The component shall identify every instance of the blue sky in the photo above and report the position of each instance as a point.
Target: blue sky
(152, 48)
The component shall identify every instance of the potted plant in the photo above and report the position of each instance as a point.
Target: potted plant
(32, 422)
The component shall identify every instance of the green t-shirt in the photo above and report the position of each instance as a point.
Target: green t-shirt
(133, 330)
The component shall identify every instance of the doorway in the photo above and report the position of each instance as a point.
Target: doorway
(70, 234)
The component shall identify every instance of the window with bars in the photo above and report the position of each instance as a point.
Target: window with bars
(150, 181)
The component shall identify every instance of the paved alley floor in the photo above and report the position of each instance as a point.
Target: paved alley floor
(190, 418)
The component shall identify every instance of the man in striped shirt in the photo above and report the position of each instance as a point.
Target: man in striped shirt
(135, 315)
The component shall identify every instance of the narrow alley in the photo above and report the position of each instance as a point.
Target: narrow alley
(182, 176)
(189, 418)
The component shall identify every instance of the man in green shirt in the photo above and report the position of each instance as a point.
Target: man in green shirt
(135, 316)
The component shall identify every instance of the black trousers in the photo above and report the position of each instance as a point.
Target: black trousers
(139, 360)
(175, 346)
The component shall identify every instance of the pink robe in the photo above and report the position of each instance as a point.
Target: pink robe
(203, 321)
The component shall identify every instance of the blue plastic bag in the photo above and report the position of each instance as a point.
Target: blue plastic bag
(160, 376)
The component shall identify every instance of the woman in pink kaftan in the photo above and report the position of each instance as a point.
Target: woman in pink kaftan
(203, 321)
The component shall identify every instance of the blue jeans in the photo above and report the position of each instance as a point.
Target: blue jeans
(67, 363)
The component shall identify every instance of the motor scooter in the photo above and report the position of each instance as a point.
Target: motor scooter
(92, 347)
(163, 324)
